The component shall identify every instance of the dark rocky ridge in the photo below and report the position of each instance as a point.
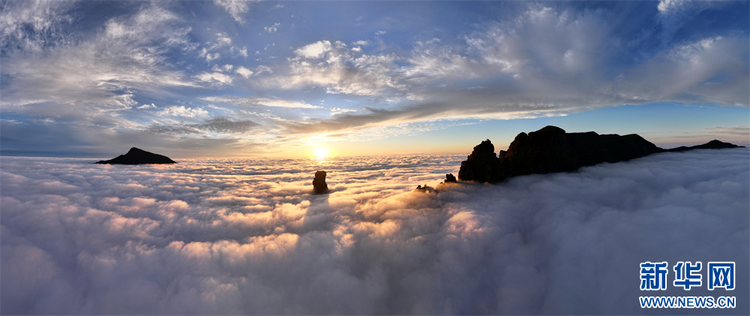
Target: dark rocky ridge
(137, 156)
(551, 149)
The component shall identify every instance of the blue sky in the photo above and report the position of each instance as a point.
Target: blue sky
(265, 78)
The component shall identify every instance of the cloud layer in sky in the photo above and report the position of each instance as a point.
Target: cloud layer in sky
(247, 237)
(347, 69)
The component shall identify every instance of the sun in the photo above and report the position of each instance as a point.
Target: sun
(320, 152)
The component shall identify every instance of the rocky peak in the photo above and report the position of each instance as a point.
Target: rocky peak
(137, 156)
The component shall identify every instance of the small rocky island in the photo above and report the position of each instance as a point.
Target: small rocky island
(551, 149)
(137, 156)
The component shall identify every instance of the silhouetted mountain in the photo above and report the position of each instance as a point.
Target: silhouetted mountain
(551, 149)
(138, 156)
(319, 183)
(714, 144)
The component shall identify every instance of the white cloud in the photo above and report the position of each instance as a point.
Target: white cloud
(211, 57)
(98, 75)
(225, 68)
(687, 8)
(673, 14)
(688, 73)
(235, 8)
(213, 49)
(222, 39)
(340, 70)
(545, 62)
(286, 104)
(314, 50)
(263, 69)
(250, 101)
(335, 111)
(244, 72)
(217, 125)
(182, 111)
(147, 106)
(203, 237)
(544, 49)
(668, 5)
(29, 26)
(273, 28)
(432, 61)
(215, 78)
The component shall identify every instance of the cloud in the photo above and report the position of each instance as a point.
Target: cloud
(226, 125)
(708, 70)
(98, 75)
(214, 78)
(535, 60)
(335, 111)
(546, 61)
(34, 26)
(235, 8)
(666, 6)
(733, 131)
(244, 72)
(684, 8)
(221, 125)
(147, 106)
(209, 56)
(221, 42)
(285, 104)
(182, 111)
(548, 51)
(675, 14)
(314, 50)
(273, 28)
(225, 68)
(247, 237)
(340, 71)
(241, 51)
(250, 101)
(222, 39)
(263, 69)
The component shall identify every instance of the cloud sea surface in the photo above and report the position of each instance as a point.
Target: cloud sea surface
(248, 237)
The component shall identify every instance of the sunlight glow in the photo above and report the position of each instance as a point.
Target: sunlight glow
(320, 152)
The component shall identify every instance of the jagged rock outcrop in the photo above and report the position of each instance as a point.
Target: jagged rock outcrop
(425, 189)
(482, 165)
(137, 156)
(319, 183)
(551, 149)
(450, 178)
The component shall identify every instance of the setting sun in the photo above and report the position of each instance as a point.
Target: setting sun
(320, 152)
(392, 157)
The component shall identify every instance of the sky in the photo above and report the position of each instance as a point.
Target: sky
(230, 78)
(247, 236)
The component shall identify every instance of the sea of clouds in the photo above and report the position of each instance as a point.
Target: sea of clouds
(249, 237)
